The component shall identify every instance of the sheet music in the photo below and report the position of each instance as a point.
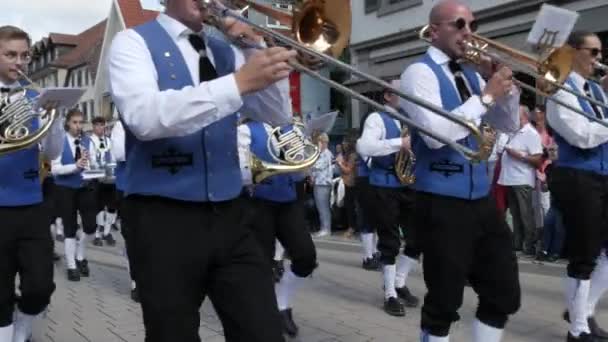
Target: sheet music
(552, 27)
(59, 97)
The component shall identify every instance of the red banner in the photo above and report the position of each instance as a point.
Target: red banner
(294, 92)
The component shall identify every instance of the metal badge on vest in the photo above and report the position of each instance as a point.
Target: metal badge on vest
(444, 171)
(201, 167)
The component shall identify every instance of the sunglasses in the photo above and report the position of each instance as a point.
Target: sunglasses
(461, 23)
(593, 51)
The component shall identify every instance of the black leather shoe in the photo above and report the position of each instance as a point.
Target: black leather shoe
(135, 295)
(83, 267)
(584, 337)
(109, 239)
(409, 299)
(371, 264)
(394, 307)
(115, 227)
(73, 274)
(289, 326)
(97, 242)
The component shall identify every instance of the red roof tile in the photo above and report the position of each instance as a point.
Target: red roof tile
(133, 14)
(86, 48)
(63, 39)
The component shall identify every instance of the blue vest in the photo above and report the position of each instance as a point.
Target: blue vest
(444, 171)
(73, 180)
(200, 167)
(593, 159)
(279, 188)
(361, 166)
(19, 173)
(382, 170)
(119, 173)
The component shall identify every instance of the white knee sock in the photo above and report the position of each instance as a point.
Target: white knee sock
(404, 265)
(388, 272)
(110, 219)
(286, 289)
(6, 334)
(426, 337)
(82, 246)
(577, 299)
(375, 243)
(70, 252)
(599, 283)
(59, 226)
(23, 326)
(485, 333)
(279, 251)
(367, 240)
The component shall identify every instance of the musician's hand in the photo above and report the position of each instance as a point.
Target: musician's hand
(237, 29)
(263, 68)
(406, 142)
(82, 163)
(487, 67)
(500, 84)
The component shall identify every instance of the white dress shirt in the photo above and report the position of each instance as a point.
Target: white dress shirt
(153, 114)
(52, 143)
(373, 142)
(60, 169)
(514, 171)
(420, 81)
(117, 138)
(575, 128)
(244, 143)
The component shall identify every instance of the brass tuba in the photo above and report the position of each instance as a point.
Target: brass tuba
(17, 113)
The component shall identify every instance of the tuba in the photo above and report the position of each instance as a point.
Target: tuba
(405, 162)
(17, 113)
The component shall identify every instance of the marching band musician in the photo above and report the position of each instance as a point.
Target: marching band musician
(461, 235)
(106, 191)
(178, 92)
(389, 204)
(579, 184)
(277, 213)
(76, 195)
(25, 243)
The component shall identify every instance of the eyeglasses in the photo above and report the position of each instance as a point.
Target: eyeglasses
(593, 51)
(12, 56)
(461, 23)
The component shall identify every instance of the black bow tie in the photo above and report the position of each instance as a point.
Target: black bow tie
(5, 90)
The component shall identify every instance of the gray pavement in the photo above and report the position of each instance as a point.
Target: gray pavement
(341, 302)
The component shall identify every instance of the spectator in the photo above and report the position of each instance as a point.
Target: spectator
(346, 163)
(321, 179)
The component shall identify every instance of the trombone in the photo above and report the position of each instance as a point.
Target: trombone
(322, 30)
(550, 70)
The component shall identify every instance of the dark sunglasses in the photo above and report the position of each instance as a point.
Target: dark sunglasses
(461, 23)
(593, 51)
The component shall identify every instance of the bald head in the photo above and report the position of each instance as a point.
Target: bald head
(445, 9)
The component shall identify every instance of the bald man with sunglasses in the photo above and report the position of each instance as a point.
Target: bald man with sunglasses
(461, 235)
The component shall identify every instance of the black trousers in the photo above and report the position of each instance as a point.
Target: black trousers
(389, 210)
(362, 205)
(184, 251)
(126, 234)
(350, 193)
(71, 201)
(582, 199)
(26, 248)
(465, 240)
(106, 197)
(285, 222)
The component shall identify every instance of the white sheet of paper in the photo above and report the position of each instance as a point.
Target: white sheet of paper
(322, 123)
(63, 97)
(553, 26)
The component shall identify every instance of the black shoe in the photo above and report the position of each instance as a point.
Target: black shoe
(59, 237)
(135, 295)
(371, 264)
(409, 299)
(553, 258)
(289, 326)
(584, 337)
(394, 307)
(97, 242)
(277, 270)
(542, 256)
(73, 274)
(83, 267)
(114, 227)
(56, 257)
(109, 239)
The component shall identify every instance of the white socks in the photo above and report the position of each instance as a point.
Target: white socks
(279, 251)
(426, 337)
(23, 326)
(367, 240)
(389, 271)
(599, 283)
(59, 226)
(100, 218)
(577, 299)
(110, 219)
(82, 245)
(286, 289)
(6, 334)
(404, 265)
(70, 252)
(485, 333)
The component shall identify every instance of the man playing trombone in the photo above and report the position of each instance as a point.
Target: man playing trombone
(579, 184)
(25, 243)
(462, 236)
(178, 92)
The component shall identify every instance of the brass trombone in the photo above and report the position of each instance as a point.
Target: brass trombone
(321, 29)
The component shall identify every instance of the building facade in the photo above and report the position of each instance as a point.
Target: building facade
(393, 44)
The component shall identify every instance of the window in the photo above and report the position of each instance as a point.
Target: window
(92, 107)
(79, 78)
(86, 78)
(85, 111)
(275, 23)
(391, 6)
(371, 5)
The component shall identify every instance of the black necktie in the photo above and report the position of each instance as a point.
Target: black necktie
(5, 90)
(206, 71)
(77, 152)
(597, 112)
(102, 143)
(461, 85)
